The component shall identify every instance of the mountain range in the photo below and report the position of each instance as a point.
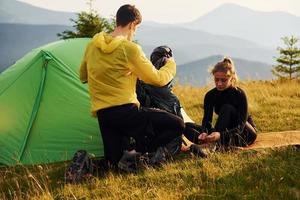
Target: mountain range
(197, 73)
(18, 39)
(250, 37)
(191, 45)
(12, 11)
(265, 28)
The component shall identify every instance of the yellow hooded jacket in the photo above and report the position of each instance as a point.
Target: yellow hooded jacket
(111, 66)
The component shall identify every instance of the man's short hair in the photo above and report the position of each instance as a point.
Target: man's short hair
(127, 14)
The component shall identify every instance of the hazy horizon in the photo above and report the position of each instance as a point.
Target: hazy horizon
(167, 11)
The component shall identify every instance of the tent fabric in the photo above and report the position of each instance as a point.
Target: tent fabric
(45, 109)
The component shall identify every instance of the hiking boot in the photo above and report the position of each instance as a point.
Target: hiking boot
(197, 151)
(130, 162)
(145, 160)
(80, 167)
(159, 157)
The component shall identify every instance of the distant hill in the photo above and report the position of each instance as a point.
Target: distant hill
(12, 11)
(265, 28)
(18, 39)
(190, 45)
(193, 49)
(197, 73)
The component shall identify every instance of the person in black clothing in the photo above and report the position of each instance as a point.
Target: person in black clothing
(234, 126)
(160, 100)
(162, 131)
(163, 98)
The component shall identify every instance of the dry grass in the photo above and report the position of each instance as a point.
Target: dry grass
(275, 106)
(263, 174)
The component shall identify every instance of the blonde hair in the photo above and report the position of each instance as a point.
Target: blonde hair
(226, 66)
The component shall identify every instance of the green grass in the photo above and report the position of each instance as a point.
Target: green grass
(259, 174)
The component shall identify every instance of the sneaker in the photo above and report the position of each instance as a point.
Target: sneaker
(197, 151)
(130, 162)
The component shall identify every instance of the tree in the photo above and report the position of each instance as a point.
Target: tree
(88, 24)
(289, 59)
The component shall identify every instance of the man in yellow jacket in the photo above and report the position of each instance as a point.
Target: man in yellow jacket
(111, 65)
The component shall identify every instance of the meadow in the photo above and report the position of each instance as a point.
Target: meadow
(250, 174)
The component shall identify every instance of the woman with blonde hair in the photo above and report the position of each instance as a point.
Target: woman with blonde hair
(234, 126)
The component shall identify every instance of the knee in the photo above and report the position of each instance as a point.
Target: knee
(181, 125)
(178, 126)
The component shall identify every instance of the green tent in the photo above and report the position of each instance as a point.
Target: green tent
(45, 109)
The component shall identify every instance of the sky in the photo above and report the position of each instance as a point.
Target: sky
(167, 11)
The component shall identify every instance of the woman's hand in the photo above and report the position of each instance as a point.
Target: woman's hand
(213, 137)
(202, 137)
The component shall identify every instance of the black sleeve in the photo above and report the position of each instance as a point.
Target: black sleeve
(178, 108)
(142, 95)
(242, 111)
(208, 113)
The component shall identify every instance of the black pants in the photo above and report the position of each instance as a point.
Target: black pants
(192, 132)
(163, 127)
(227, 120)
(129, 121)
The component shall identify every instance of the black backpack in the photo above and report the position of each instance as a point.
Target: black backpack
(158, 97)
(151, 96)
(80, 168)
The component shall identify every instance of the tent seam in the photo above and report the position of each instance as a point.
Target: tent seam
(61, 62)
(36, 106)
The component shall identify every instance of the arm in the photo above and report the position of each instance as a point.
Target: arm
(207, 119)
(83, 72)
(146, 72)
(208, 113)
(83, 68)
(142, 95)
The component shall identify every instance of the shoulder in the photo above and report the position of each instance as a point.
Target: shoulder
(240, 92)
(89, 48)
(131, 47)
(210, 93)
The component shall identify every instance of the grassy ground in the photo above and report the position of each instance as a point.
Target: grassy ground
(275, 106)
(260, 174)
